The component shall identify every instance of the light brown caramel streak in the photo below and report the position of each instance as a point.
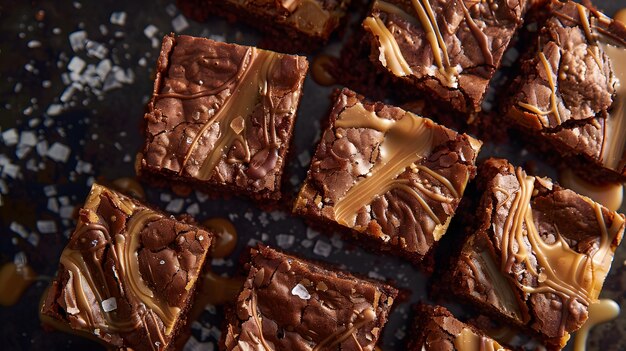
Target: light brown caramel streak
(614, 145)
(481, 37)
(402, 186)
(129, 265)
(434, 37)
(259, 323)
(406, 140)
(443, 180)
(561, 270)
(393, 9)
(240, 104)
(391, 55)
(553, 103)
(467, 340)
(601, 311)
(336, 338)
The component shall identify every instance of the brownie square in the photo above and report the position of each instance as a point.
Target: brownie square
(221, 117)
(538, 254)
(570, 95)
(387, 176)
(447, 50)
(436, 329)
(298, 24)
(288, 303)
(128, 273)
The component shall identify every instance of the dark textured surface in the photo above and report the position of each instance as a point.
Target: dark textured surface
(292, 304)
(221, 116)
(104, 130)
(119, 250)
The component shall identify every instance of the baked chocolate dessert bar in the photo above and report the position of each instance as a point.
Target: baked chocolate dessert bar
(448, 50)
(570, 95)
(436, 329)
(221, 117)
(128, 273)
(387, 175)
(300, 24)
(538, 253)
(291, 304)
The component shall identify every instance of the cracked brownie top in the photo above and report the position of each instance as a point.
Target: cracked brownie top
(450, 49)
(127, 273)
(291, 304)
(387, 174)
(222, 114)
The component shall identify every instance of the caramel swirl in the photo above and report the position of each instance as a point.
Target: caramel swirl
(554, 107)
(558, 269)
(406, 141)
(467, 340)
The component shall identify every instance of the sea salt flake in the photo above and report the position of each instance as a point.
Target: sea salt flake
(179, 23)
(109, 304)
(304, 158)
(322, 248)
(285, 241)
(118, 18)
(175, 206)
(33, 44)
(150, 31)
(28, 138)
(59, 152)
(77, 40)
(76, 64)
(300, 291)
(10, 137)
(18, 229)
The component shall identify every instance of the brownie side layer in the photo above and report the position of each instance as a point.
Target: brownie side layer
(221, 116)
(447, 50)
(291, 304)
(128, 273)
(387, 175)
(540, 254)
(570, 95)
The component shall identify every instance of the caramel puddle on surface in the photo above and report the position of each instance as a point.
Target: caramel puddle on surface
(14, 280)
(320, 70)
(600, 312)
(129, 186)
(610, 195)
(226, 239)
(214, 289)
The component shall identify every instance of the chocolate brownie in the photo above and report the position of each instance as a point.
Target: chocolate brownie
(128, 273)
(436, 329)
(291, 304)
(449, 50)
(387, 175)
(538, 254)
(295, 24)
(221, 117)
(570, 95)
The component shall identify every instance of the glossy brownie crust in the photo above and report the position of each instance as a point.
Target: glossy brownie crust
(449, 50)
(566, 96)
(221, 117)
(436, 329)
(128, 273)
(291, 25)
(291, 304)
(538, 253)
(407, 206)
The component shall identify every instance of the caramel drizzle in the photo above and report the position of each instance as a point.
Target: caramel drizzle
(481, 37)
(337, 337)
(259, 323)
(434, 37)
(553, 101)
(562, 271)
(391, 55)
(600, 312)
(467, 340)
(614, 144)
(406, 141)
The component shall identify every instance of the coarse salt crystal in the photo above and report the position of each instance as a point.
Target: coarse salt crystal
(59, 152)
(179, 23)
(285, 241)
(322, 248)
(118, 18)
(150, 30)
(300, 291)
(175, 206)
(76, 64)
(28, 138)
(10, 137)
(77, 40)
(109, 304)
